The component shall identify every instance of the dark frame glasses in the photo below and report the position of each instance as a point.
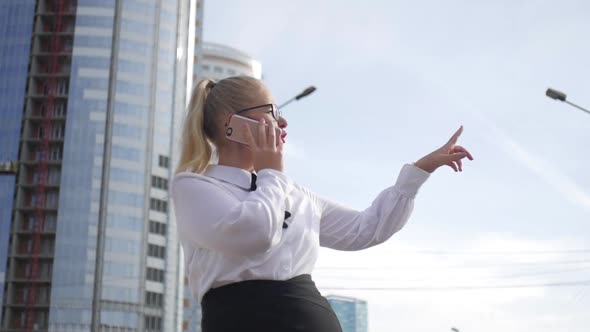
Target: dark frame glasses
(274, 110)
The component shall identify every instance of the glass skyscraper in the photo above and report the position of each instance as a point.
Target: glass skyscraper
(16, 24)
(351, 312)
(92, 93)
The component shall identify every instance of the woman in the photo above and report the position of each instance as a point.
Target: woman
(250, 235)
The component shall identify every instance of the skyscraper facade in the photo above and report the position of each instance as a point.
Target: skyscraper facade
(91, 245)
(351, 312)
(16, 24)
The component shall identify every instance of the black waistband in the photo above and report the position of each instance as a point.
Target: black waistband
(300, 287)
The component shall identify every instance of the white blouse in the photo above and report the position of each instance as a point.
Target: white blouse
(229, 233)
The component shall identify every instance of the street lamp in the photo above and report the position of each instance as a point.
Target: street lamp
(305, 93)
(558, 95)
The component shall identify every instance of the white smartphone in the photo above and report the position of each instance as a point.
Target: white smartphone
(234, 130)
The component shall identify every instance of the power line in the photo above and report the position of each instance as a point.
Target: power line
(524, 252)
(585, 261)
(452, 288)
(502, 276)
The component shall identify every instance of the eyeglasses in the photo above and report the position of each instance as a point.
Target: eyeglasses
(271, 108)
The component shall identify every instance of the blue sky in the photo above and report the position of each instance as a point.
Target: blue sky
(395, 79)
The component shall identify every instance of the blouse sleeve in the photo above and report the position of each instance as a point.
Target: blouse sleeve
(210, 217)
(343, 228)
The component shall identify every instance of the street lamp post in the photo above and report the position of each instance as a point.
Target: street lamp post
(305, 93)
(558, 95)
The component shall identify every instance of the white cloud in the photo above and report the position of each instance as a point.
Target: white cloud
(492, 259)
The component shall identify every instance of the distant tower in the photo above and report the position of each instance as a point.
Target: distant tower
(351, 312)
(218, 61)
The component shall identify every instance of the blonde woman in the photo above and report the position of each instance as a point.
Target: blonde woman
(251, 235)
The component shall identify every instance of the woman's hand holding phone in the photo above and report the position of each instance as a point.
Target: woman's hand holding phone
(268, 151)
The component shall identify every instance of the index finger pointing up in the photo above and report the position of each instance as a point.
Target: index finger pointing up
(455, 136)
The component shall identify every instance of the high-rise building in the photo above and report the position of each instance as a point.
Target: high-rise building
(213, 61)
(219, 61)
(351, 312)
(16, 24)
(92, 91)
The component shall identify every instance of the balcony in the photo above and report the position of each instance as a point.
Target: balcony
(25, 249)
(18, 322)
(50, 8)
(23, 273)
(20, 297)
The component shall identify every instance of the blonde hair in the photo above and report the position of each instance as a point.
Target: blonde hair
(209, 102)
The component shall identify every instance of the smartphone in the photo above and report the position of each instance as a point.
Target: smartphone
(235, 131)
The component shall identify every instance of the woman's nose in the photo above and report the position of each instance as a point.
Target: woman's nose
(282, 123)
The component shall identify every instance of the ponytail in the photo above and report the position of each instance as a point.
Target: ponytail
(202, 129)
(196, 150)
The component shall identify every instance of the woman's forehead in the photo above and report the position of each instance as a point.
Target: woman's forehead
(261, 97)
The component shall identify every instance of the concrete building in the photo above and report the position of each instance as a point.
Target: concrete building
(218, 61)
(351, 312)
(92, 90)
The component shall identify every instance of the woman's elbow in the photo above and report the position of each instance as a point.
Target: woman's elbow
(248, 242)
(252, 247)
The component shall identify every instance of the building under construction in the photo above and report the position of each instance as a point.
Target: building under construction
(92, 91)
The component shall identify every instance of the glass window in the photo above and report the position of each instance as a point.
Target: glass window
(153, 299)
(124, 198)
(132, 46)
(136, 26)
(125, 130)
(127, 176)
(94, 62)
(159, 182)
(153, 323)
(125, 246)
(139, 7)
(163, 161)
(157, 227)
(93, 41)
(155, 274)
(132, 67)
(125, 222)
(131, 109)
(137, 89)
(122, 152)
(158, 205)
(156, 251)
(94, 21)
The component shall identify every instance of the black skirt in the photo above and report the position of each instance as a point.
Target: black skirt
(268, 305)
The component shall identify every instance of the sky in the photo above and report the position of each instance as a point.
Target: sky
(502, 246)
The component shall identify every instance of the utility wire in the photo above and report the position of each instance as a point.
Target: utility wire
(584, 261)
(452, 288)
(501, 276)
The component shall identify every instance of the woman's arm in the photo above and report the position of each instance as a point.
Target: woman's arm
(343, 228)
(210, 217)
(346, 229)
